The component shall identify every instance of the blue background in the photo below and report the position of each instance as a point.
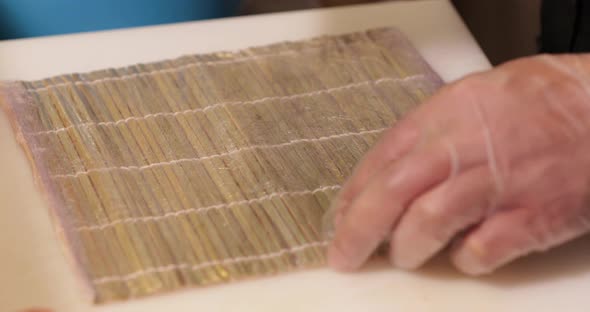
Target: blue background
(30, 18)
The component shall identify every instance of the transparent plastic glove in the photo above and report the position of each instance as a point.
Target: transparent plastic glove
(498, 163)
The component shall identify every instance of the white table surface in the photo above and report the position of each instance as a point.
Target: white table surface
(34, 273)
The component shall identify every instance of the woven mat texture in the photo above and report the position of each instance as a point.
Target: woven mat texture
(210, 168)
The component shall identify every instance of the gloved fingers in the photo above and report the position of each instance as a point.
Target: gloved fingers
(435, 218)
(417, 128)
(394, 144)
(373, 213)
(510, 234)
(500, 239)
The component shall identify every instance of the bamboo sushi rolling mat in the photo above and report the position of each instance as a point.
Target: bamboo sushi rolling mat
(209, 168)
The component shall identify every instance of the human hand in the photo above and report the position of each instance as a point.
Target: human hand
(498, 164)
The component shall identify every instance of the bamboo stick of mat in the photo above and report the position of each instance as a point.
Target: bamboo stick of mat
(210, 168)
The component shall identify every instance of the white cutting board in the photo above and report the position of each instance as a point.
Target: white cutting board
(33, 271)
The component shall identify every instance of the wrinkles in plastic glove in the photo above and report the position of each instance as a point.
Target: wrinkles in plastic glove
(495, 166)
